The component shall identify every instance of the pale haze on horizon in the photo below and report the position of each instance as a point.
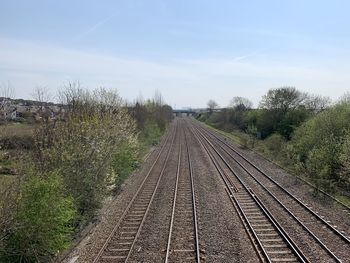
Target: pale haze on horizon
(191, 51)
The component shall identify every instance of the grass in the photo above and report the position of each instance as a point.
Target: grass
(15, 140)
(6, 181)
(16, 129)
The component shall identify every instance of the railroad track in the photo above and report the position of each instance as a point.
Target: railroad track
(328, 237)
(271, 242)
(120, 242)
(183, 240)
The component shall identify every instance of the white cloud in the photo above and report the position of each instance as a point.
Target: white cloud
(182, 82)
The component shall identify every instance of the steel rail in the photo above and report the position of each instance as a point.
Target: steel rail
(115, 228)
(251, 233)
(287, 210)
(195, 219)
(294, 249)
(193, 199)
(174, 206)
(336, 231)
(336, 200)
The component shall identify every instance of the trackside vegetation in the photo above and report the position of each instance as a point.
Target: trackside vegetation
(304, 133)
(65, 168)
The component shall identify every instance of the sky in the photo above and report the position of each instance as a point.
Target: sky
(191, 51)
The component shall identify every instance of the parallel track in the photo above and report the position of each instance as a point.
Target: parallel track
(269, 239)
(183, 240)
(120, 242)
(325, 235)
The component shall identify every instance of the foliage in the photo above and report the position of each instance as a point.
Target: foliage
(81, 147)
(240, 104)
(16, 136)
(252, 131)
(275, 144)
(282, 99)
(42, 221)
(345, 162)
(316, 146)
(212, 104)
(74, 162)
(125, 160)
(153, 110)
(150, 134)
(281, 111)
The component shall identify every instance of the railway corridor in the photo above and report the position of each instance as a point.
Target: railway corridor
(200, 199)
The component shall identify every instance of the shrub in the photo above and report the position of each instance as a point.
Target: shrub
(125, 160)
(42, 221)
(81, 147)
(275, 144)
(151, 133)
(316, 145)
(345, 163)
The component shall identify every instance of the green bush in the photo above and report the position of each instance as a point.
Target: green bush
(82, 146)
(275, 144)
(151, 133)
(316, 146)
(345, 163)
(125, 160)
(42, 221)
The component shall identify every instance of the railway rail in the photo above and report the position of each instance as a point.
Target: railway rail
(120, 242)
(328, 237)
(336, 200)
(183, 239)
(271, 242)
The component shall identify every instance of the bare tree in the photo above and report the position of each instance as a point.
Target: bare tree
(240, 103)
(41, 94)
(6, 92)
(345, 98)
(212, 104)
(317, 103)
(158, 98)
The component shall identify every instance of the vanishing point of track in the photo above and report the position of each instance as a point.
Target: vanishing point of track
(270, 214)
(183, 238)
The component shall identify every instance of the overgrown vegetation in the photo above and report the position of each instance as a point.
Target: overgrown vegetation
(300, 131)
(71, 164)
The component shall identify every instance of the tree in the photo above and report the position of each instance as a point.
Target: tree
(317, 103)
(6, 92)
(282, 99)
(281, 108)
(240, 104)
(345, 98)
(43, 220)
(317, 144)
(211, 105)
(345, 162)
(82, 146)
(41, 94)
(252, 131)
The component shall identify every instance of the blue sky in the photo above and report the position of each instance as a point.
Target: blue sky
(191, 51)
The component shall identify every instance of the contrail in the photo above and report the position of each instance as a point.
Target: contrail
(246, 56)
(93, 28)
